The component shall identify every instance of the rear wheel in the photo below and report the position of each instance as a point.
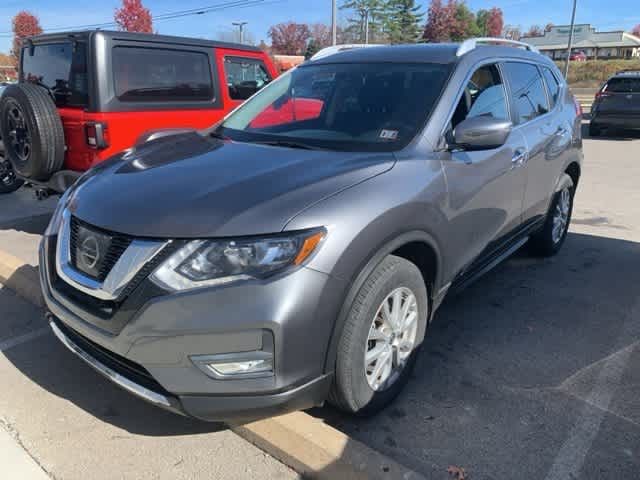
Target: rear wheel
(381, 338)
(549, 239)
(595, 130)
(31, 129)
(9, 182)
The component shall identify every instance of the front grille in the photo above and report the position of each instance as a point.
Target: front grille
(117, 245)
(125, 367)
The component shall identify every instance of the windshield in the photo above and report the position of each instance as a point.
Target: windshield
(367, 107)
(60, 67)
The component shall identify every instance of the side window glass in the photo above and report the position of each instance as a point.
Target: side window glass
(552, 85)
(527, 91)
(483, 95)
(245, 76)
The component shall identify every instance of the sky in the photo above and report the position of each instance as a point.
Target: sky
(617, 14)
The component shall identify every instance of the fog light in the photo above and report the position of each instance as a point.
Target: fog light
(236, 365)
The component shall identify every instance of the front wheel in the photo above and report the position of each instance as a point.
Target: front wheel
(549, 239)
(381, 338)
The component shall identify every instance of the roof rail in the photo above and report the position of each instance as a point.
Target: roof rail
(472, 43)
(629, 70)
(325, 52)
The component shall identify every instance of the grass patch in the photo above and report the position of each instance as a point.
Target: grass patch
(592, 73)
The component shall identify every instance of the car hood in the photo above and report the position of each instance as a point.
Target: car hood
(190, 186)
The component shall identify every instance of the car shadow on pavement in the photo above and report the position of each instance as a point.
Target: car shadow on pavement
(490, 390)
(35, 225)
(615, 135)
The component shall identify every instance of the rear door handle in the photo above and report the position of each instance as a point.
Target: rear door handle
(519, 157)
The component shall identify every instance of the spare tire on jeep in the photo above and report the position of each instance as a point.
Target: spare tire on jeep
(31, 129)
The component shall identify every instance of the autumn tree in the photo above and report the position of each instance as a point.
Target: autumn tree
(548, 27)
(25, 24)
(289, 38)
(636, 30)
(495, 23)
(321, 34)
(534, 31)
(439, 19)
(133, 17)
(464, 25)
(403, 19)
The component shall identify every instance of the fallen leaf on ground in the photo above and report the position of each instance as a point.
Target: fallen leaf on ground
(457, 473)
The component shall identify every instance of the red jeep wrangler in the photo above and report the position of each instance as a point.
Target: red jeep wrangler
(84, 96)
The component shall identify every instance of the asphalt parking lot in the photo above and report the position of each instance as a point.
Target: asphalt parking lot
(532, 372)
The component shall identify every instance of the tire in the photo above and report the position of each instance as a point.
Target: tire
(545, 242)
(8, 181)
(352, 390)
(32, 131)
(594, 130)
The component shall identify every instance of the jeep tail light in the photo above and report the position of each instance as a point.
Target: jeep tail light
(96, 135)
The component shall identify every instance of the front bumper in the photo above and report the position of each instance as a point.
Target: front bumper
(150, 355)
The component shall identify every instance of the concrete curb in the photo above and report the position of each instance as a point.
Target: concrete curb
(298, 440)
(21, 277)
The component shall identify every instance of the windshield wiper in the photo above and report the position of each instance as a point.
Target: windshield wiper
(288, 144)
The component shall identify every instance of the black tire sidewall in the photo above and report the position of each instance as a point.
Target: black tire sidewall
(45, 128)
(363, 399)
(542, 242)
(15, 185)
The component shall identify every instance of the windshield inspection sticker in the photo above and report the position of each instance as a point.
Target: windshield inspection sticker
(389, 134)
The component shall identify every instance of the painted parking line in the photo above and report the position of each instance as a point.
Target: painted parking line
(573, 453)
(19, 340)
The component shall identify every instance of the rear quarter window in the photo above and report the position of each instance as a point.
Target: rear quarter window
(61, 67)
(161, 75)
(553, 87)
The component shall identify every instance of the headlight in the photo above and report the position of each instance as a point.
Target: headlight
(203, 263)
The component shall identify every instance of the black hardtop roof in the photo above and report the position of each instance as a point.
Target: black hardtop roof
(141, 37)
(420, 53)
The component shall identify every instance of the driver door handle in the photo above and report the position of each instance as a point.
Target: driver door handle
(519, 157)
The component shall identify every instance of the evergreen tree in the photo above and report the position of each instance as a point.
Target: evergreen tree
(403, 20)
(374, 11)
(482, 16)
(312, 49)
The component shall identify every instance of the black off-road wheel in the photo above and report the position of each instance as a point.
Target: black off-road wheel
(31, 129)
(9, 182)
(381, 339)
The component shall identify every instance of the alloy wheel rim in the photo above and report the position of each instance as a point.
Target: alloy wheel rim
(561, 215)
(19, 134)
(391, 339)
(7, 175)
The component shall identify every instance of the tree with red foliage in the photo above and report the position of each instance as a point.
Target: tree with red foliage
(534, 31)
(495, 22)
(289, 38)
(636, 30)
(133, 17)
(440, 19)
(321, 34)
(25, 25)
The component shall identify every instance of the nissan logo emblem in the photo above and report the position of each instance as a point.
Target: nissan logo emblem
(90, 252)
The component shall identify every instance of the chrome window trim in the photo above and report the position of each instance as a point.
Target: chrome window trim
(134, 258)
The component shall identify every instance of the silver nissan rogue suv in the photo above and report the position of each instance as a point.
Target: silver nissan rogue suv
(297, 251)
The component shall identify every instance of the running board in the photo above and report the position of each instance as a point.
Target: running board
(467, 278)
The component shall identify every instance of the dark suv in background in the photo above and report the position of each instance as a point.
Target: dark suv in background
(298, 251)
(617, 104)
(85, 96)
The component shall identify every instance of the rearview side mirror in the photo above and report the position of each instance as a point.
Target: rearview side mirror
(480, 133)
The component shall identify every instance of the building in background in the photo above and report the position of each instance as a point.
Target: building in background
(602, 45)
(8, 73)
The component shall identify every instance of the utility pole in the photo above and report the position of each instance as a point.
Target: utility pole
(334, 23)
(573, 21)
(366, 26)
(240, 26)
